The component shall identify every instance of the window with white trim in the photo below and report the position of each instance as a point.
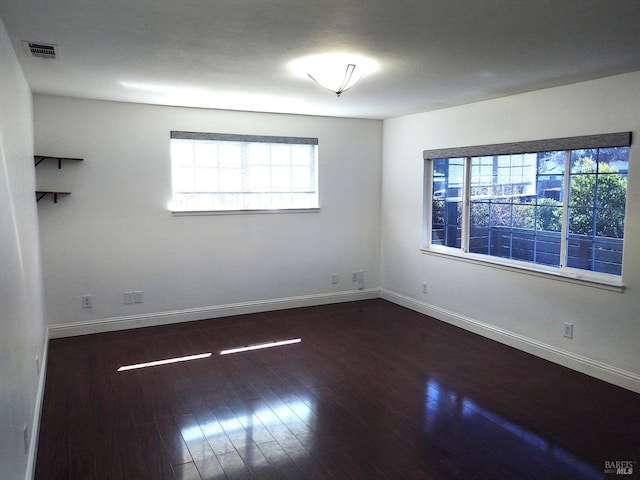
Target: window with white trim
(226, 172)
(557, 204)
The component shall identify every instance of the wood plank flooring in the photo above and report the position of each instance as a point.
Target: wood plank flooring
(373, 391)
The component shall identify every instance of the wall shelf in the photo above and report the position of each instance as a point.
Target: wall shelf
(38, 159)
(40, 194)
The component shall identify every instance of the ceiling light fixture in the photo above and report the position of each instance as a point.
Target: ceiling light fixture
(348, 81)
(335, 72)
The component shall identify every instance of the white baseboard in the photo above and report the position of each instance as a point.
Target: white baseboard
(594, 368)
(37, 413)
(203, 313)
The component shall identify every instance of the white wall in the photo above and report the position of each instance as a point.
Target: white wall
(114, 232)
(21, 305)
(520, 309)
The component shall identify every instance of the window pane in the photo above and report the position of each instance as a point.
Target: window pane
(551, 163)
(258, 154)
(301, 179)
(230, 155)
(447, 201)
(479, 227)
(206, 154)
(280, 154)
(482, 172)
(514, 212)
(580, 252)
(259, 179)
(611, 190)
(549, 215)
(183, 180)
(597, 198)
(524, 216)
(616, 158)
(581, 221)
(230, 180)
(206, 180)
(583, 190)
(181, 153)
(281, 178)
(500, 214)
(228, 174)
(584, 161)
(550, 186)
(302, 154)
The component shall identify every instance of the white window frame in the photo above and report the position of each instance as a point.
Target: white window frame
(585, 277)
(311, 201)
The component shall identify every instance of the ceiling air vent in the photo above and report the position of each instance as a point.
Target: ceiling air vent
(41, 50)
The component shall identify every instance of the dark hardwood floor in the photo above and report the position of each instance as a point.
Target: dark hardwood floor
(373, 391)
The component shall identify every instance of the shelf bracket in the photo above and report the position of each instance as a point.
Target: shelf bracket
(40, 158)
(41, 194)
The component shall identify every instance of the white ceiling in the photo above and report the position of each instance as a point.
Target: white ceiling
(233, 54)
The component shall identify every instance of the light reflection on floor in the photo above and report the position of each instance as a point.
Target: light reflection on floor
(493, 439)
(246, 433)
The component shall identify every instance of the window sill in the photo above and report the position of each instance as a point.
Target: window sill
(186, 213)
(612, 285)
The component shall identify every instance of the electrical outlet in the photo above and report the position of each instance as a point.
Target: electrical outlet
(568, 330)
(334, 278)
(87, 301)
(424, 287)
(128, 298)
(137, 296)
(360, 279)
(354, 276)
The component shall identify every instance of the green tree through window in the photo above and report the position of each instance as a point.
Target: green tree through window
(597, 199)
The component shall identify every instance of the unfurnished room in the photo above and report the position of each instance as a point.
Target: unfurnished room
(319, 240)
